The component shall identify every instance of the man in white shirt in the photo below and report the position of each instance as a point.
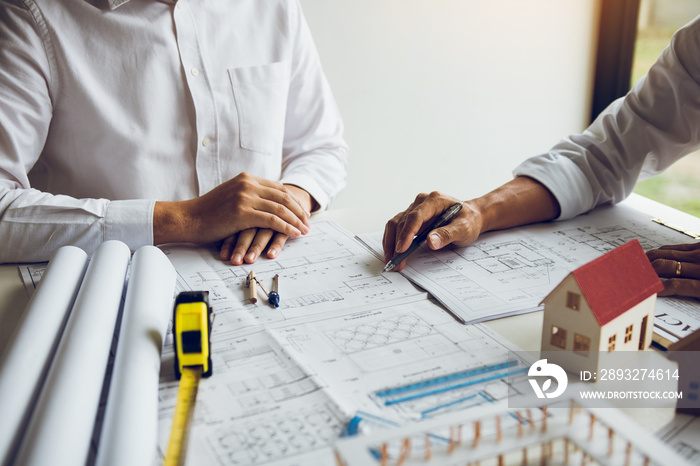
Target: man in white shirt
(637, 136)
(160, 121)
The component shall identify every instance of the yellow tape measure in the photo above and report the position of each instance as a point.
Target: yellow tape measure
(191, 332)
(184, 409)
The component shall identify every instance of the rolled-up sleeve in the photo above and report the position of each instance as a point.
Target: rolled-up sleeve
(637, 136)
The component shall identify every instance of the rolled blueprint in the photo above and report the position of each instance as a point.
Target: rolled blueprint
(130, 429)
(32, 344)
(61, 426)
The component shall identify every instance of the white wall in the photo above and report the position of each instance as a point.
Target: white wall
(451, 95)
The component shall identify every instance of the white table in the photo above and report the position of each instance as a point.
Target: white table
(524, 330)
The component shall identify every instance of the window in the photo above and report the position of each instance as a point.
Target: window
(628, 333)
(611, 343)
(581, 344)
(573, 301)
(694, 385)
(558, 337)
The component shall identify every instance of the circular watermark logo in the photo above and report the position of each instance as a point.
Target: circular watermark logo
(543, 371)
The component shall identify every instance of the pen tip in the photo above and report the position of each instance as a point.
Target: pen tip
(388, 267)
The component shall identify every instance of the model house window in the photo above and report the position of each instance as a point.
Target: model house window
(573, 300)
(558, 337)
(581, 344)
(628, 333)
(611, 342)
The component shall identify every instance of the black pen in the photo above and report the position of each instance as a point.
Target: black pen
(419, 240)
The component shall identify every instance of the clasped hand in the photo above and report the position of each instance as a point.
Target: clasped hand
(249, 244)
(251, 212)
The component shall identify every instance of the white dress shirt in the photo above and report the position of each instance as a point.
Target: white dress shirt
(108, 106)
(637, 136)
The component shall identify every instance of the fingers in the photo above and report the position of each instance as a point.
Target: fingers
(666, 268)
(677, 252)
(262, 203)
(683, 247)
(274, 213)
(452, 233)
(681, 287)
(284, 195)
(276, 245)
(227, 247)
(679, 266)
(243, 242)
(389, 239)
(250, 244)
(403, 227)
(390, 230)
(424, 211)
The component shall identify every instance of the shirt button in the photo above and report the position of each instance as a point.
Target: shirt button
(194, 71)
(206, 141)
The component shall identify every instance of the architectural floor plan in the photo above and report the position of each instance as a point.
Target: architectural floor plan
(509, 272)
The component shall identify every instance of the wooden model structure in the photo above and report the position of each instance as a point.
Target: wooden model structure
(562, 432)
(605, 305)
(686, 353)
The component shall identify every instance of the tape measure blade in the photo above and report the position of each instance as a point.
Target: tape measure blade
(184, 410)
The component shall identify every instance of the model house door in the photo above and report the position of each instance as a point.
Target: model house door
(643, 333)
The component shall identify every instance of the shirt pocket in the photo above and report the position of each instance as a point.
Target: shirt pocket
(260, 93)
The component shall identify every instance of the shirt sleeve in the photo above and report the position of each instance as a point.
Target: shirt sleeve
(635, 137)
(315, 156)
(34, 223)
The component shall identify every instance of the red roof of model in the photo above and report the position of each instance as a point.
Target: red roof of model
(617, 281)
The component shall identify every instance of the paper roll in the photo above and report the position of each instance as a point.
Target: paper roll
(29, 351)
(61, 426)
(130, 429)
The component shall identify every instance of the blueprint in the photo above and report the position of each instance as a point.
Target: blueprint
(287, 380)
(283, 395)
(509, 272)
(403, 363)
(320, 272)
(259, 407)
(349, 342)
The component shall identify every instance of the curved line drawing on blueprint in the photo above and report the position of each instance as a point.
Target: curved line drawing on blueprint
(371, 335)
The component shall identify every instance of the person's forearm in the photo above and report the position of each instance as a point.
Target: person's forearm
(170, 223)
(521, 201)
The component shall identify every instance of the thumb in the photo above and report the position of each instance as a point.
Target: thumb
(440, 237)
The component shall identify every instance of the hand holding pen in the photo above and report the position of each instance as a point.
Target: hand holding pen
(420, 239)
(434, 215)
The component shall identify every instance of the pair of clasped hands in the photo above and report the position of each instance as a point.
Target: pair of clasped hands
(262, 215)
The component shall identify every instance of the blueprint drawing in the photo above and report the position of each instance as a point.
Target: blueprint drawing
(511, 271)
(320, 272)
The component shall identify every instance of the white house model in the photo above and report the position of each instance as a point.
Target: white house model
(605, 305)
